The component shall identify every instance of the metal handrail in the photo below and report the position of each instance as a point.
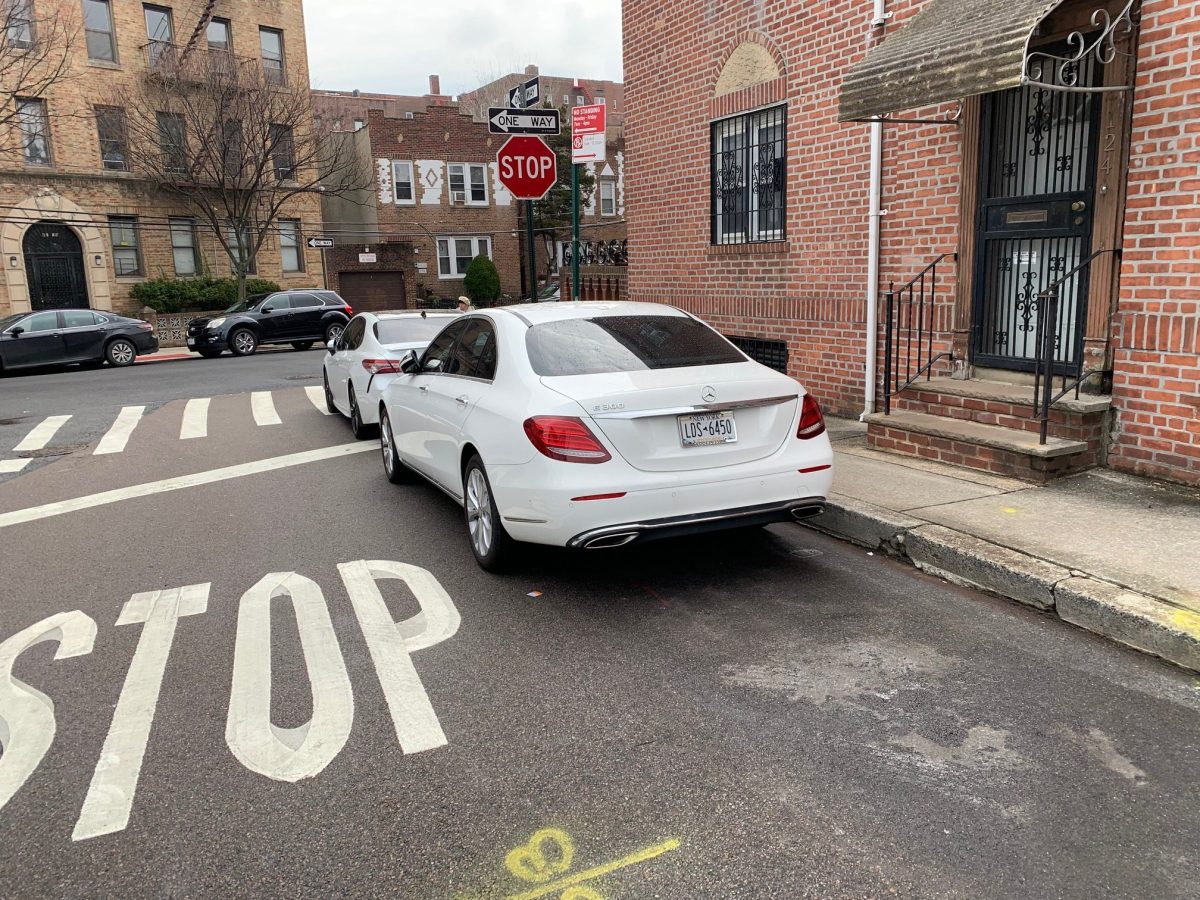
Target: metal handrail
(913, 293)
(1043, 374)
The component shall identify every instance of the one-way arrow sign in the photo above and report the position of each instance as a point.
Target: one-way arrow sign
(320, 243)
(523, 121)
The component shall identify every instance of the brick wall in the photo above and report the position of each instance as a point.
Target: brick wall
(1156, 332)
(430, 140)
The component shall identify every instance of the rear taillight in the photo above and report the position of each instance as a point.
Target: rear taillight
(565, 438)
(382, 366)
(812, 423)
(349, 310)
(145, 326)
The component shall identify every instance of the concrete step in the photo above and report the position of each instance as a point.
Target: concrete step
(1014, 394)
(994, 436)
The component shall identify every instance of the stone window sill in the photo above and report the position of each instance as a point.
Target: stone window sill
(761, 248)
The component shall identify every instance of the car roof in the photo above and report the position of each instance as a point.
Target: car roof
(539, 313)
(417, 314)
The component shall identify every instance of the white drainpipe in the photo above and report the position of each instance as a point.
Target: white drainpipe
(874, 221)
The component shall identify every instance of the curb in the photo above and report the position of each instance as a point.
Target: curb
(1117, 613)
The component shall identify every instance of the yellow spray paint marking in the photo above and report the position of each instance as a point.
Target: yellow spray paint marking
(1186, 621)
(1011, 510)
(545, 860)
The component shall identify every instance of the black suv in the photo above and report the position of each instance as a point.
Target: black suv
(299, 318)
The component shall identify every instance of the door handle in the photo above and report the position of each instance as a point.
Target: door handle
(423, 389)
(463, 400)
(1078, 206)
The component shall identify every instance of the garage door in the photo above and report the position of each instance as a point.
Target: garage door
(372, 291)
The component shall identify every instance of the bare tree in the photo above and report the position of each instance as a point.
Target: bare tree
(35, 53)
(234, 141)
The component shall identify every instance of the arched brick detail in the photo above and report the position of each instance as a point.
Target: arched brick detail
(773, 90)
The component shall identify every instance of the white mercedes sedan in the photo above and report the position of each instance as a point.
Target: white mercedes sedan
(366, 357)
(597, 425)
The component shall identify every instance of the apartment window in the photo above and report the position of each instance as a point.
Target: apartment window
(600, 101)
(289, 246)
(247, 242)
(219, 35)
(749, 177)
(283, 152)
(127, 257)
(579, 99)
(20, 23)
(98, 30)
(172, 138)
(271, 42)
(359, 124)
(468, 181)
(184, 246)
(456, 253)
(402, 181)
(35, 131)
(160, 31)
(110, 125)
(608, 198)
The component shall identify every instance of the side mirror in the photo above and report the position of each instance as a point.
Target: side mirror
(17, 332)
(409, 364)
(268, 309)
(332, 346)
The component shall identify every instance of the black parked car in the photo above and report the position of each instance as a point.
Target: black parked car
(55, 337)
(299, 318)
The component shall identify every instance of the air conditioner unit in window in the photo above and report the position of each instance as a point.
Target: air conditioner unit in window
(408, 115)
(458, 196)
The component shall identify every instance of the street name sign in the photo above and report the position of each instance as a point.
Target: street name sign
(320, 243)
(589, 127)
(526, 95)
(523, 121)
(527, 167)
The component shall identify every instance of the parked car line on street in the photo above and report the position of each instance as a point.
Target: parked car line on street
(65, 336)
(299, 318)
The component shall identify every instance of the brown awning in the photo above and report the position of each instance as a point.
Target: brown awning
(950, 50)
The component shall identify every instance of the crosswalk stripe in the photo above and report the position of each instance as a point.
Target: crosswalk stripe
(264, 409)
(195, 419)
(118, 435)
(317, 396)
(10, 466)
(41, 435)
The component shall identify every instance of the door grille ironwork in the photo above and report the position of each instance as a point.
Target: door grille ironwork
(54, 264)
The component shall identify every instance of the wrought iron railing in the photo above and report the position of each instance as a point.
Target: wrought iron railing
(1047, 342)
(200, 64)
(599, 253)
(910, 322)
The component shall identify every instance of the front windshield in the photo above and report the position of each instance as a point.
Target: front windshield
(8, 321)
(246, 305)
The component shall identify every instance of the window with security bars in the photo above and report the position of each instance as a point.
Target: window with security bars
(772, 354)
(749, 177)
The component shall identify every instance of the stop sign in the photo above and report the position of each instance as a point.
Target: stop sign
(527, 167)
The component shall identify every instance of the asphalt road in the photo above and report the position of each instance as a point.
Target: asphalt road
(763, 715)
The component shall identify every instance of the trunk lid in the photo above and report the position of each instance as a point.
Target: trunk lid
(639, 412)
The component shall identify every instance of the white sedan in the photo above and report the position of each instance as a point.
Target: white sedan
(366, 357)
(595, 425)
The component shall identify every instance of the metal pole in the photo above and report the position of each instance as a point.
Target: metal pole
(574, 232)
(324, 271)
(532, 254)
(887, 354)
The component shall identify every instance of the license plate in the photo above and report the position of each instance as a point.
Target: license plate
(191, 342)
(707, 429)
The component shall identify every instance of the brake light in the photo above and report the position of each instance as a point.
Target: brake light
(349, 310)
(565, 438)
(382, 366)
(812, 422)
(617, 496)
(145, 326)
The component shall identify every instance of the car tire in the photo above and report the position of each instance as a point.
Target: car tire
(360, 430)
(209, 354)
(329, 404)
(120, 353)
(302, 345)
(393, 468)
(243, 342)
(490, 544)
(334, 331)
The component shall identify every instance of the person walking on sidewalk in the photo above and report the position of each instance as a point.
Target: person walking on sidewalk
(465, 305)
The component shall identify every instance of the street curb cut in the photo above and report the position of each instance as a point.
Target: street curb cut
(1132, 619)
(1114, 612)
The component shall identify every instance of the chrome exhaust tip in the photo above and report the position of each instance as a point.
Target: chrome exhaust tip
(611, 541)
(800, 513)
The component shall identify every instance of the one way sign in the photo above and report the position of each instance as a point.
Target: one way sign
(320, 243)
(523, 121)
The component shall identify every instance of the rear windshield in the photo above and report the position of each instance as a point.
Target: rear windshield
(410, 329)
(625, 344)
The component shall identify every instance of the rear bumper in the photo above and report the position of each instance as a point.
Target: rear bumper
(146, 343)
(698, 523)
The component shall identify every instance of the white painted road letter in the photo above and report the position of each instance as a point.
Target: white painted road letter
(287, 754)
(392, 643)
(110, 796)
(27, 724)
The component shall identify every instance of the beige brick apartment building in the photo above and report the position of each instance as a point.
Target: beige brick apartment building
(76, 228)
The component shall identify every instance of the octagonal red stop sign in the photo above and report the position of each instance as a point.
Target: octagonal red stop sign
(527, 167)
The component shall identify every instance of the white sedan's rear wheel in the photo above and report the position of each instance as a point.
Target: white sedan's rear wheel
(395, 470)
(490, 543)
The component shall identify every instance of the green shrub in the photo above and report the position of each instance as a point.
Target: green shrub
(169, 295)
(482, 281)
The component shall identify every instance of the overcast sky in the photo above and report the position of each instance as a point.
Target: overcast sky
(373, 46)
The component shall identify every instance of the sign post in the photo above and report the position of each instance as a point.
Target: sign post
(528, 169)
(321, 243)
(589, 131)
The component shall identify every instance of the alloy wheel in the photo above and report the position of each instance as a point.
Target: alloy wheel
(479, 513)
(385, 441)
(244, 341)
(121, 353)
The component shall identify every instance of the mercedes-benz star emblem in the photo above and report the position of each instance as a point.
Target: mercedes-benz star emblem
(708, 394)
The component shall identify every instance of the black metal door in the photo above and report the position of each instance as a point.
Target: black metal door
(54, 264)
(1035, 219)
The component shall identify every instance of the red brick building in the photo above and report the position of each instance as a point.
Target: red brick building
(1015, 139)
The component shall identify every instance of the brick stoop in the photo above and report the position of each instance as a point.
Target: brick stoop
(989, 425)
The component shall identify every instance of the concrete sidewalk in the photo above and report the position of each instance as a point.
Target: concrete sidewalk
(1111, 553)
